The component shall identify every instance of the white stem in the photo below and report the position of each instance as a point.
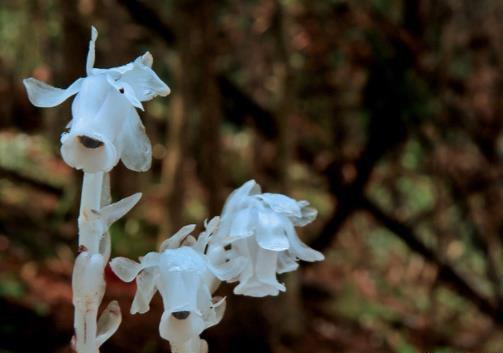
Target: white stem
(91, 191)
(85, 330)
(92, 187)
(85, 318)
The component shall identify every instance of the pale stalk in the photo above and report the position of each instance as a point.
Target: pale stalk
(92, 186)
(85, 318)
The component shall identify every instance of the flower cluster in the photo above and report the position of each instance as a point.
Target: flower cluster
(252, 241)
(260, 227)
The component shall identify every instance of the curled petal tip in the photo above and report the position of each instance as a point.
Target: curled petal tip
(147, 59)
(94, 33)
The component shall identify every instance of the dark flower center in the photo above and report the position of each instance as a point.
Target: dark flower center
(90, 142)
(181, 315)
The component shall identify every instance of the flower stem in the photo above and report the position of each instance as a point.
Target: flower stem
(92, 186)
(91, 191)
(86, 315)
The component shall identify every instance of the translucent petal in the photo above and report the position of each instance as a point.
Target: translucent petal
(145, 290)
(178, 287)
(151, 259)
(242, 225)
(135, 144)
(281, 204)
(108, 322)
(175, 330)
(286, 262)
(144, 81)
(93, 93)
(308, 214)
(125, 268)
(95, 160)
(126, 90)
(175, 240)
(91, 52)
(193, 345)
(301, 250)
(270, 233)
(216, 313)
(254, 288)
(43, 95)
(266, 266)
(97, 112)
(228, 271)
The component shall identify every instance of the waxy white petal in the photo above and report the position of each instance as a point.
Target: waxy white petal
(281, 204)
(270, 231)
(287, 262)
(144, 80)
(145, 290)
(43, 95)
(108, 322)
(216, 312)
(301, 250)
(151, 259)
(125, 268)
(228, 271)
(175, 240)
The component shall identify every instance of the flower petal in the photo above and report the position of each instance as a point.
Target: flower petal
(108, 322)
(125, 89)
(270, 233)
(43, 95)
(175, 330)
(242, 224)
(175, 240)
(265, 268)
(299, 249)
(286, 262)
(308, 214)
(125, 268)
(228, 271)
(135, 144)
(76, 155)
(145, 290)
(281, 204)
(216, 313)
(151, 259)
(143, 80)
(91, 51)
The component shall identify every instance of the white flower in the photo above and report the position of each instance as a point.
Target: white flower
(105, 126)
(261, 231)
(181, 274)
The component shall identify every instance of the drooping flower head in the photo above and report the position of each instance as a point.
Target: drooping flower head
(181, 274)
(260, 229)
(105, 126)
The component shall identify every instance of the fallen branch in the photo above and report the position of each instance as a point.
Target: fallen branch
(446, 273)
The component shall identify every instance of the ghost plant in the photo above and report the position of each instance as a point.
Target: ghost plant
(104, 129)
(252, 241)
(180, 273)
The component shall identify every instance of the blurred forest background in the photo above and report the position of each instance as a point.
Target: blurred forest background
(385, 114)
